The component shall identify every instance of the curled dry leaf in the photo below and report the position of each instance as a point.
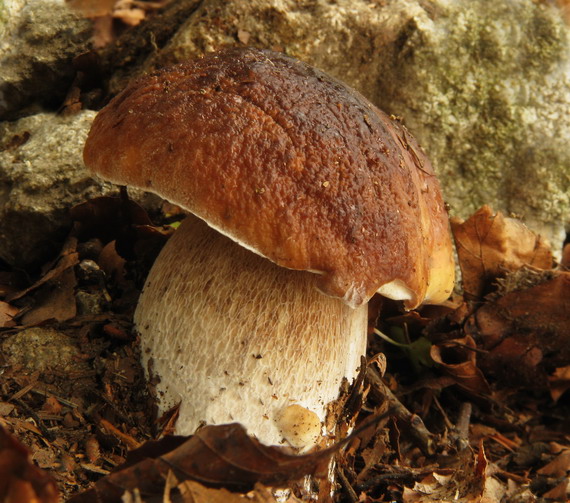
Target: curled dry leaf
(559, 382)
(53, 295)
(490, 244)
(20, 480)
(193, 492)
(215, 456)
(221, 455)
(559, 466)
(7, 313)
(526, 331)
(459, 360)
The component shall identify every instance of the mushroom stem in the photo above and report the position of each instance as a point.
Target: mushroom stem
(235, 338)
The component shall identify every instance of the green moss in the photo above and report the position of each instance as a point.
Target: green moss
(3, 17)
(475, 85)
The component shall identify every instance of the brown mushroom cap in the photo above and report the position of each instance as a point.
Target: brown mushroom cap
(288, 162)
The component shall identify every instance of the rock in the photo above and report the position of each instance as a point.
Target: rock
(38, 40)
(344, 38)
(42, 349)
(41, 177)
(485, 86)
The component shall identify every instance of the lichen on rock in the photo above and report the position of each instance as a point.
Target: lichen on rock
(486, 87)
(41, 177)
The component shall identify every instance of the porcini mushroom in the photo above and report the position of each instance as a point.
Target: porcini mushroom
(309, 201)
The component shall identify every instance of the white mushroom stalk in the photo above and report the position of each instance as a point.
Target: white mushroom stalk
(233, 337)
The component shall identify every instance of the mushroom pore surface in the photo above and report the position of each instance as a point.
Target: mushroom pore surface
(233, 337)
(288, 162)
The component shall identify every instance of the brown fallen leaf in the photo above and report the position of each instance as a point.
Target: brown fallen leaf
(559, 493)
(221, 455)
(108, 217)
(559, 466)
(215, 456)
(67, 258)
(559, 382)
(7, 314)
(458, 359)
(490, 244)
(55, 300)
(20, 480)
(525, 331)
(53, 295)
(112, 263)
(193, 492)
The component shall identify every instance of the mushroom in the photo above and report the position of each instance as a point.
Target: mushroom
(307, 200)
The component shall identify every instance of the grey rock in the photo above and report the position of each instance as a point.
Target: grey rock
(41, 176)
(486, 88)
(42, 349)
(91, 303)
(38, 40)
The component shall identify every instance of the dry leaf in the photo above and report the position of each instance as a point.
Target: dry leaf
(243, 36)
(7, 313)
(68, 257)
(20, 480)
(559, 466)
(217, 456)
(53, 295)
(559, 382)
(194, 492)
(459, 360)
(55, 300)
(525, 330)
(562, 491)
(112, 263)
(489, 245)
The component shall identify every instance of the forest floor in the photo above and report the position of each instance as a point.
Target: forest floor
(469, 401)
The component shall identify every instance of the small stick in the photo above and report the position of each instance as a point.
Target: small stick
(448, 423)
(352, 496)
(463, 425)
(417, 426)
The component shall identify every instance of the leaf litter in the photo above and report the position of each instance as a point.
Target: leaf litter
(477, 389)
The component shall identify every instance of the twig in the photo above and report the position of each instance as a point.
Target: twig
(448, 423)
(352, 496)
(417, 426)
(463, 425)
(39, 423)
